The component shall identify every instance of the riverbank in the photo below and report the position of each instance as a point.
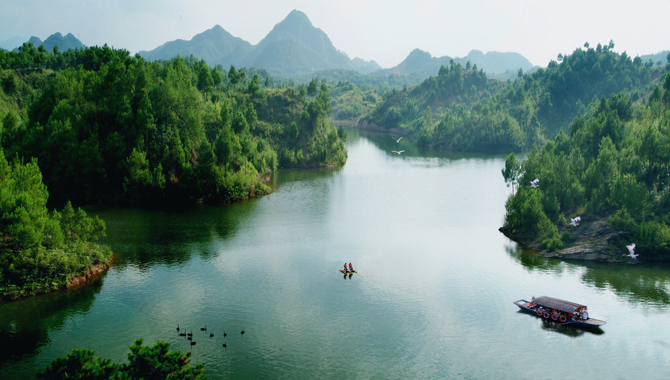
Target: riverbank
(591, 240)
(96, 260)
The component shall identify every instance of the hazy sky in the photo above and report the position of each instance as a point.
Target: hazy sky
(383, 30)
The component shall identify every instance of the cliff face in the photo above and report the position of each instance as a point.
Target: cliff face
(593, 240)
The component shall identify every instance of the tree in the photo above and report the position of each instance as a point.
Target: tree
(9, 84)
(254, 88)
(205, 80)
(512, 171)
(233, 75)
(217, 78)
(239, 122)
(144, 362)
(312, 87)
(223, 147)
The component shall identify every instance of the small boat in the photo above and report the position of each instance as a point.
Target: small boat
(563, 312)
(349, 271)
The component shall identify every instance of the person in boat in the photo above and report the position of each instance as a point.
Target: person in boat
(351, 268)
(345, 268)
(585, 314)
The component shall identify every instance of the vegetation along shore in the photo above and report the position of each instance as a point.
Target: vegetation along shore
(603, 187)
(97, 125)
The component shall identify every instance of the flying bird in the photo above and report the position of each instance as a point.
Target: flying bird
(398, 140)
(395, 151)
(575, 221)
(631, 250)
(535, 183)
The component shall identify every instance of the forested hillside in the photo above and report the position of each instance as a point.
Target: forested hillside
(40, 251)
(105, 126)
(461, 109)
(614, 163)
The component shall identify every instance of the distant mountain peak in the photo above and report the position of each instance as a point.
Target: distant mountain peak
(418, 51)
(297, 17)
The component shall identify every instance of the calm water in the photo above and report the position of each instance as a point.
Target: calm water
(432, 299)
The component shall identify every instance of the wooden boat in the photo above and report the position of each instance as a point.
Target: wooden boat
(560, 311)
(349, 271)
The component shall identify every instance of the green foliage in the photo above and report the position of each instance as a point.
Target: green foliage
(40, 252)
(79, 364)
(9, 84)
(111, 127)
(474, 113)
(144, 362)
(512, 171)
(616, 164)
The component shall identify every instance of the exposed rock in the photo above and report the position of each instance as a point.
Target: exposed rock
(91, 272)
(592, 240)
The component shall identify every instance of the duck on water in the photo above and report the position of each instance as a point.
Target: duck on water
(561, 311)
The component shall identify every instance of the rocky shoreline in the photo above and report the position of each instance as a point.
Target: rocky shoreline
(592, 240)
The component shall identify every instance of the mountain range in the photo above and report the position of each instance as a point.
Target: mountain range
(424, 65)
(64, 43)
(295, 47)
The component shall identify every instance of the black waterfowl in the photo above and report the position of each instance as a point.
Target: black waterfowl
(225, 334)
(242, 332)
(177, 326)
(211, 335)
(203, 328)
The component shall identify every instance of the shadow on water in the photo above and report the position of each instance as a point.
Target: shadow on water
(285, 176)
(647, 283)
(143, 238)
(388, 142)
(563, 328)
(25, 324)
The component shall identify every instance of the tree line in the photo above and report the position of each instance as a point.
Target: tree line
(461, 109)
(108, 127)
(614, 163)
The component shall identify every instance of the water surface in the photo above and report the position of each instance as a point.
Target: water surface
(432, 299)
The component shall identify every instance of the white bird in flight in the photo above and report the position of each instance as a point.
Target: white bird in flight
(631, 250)
(535, 183)
(575, 221)
(395, 151)
(398, 140)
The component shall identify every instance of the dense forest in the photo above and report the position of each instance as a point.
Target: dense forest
(41, 251)
(108, 127)
(97, 125)
(613, 163)
(462, 109)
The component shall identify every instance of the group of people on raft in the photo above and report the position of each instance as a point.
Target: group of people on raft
(350, 269)
(556, 315)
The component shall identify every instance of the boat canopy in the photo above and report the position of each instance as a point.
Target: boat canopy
(555, 303)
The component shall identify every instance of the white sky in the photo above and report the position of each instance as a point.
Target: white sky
(383, 30)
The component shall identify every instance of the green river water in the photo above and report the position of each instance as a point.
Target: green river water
(432, 298)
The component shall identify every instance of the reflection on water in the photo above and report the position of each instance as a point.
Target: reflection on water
(647, 283)
(22, 334)
(145, 237)
(566, 329)
(387, 143)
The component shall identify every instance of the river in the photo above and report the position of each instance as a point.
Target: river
(432, 298)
